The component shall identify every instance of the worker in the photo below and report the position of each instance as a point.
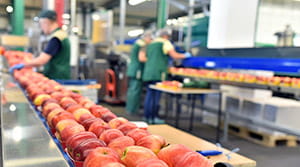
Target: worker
(134, 73)
(155, 70)
(56, 55)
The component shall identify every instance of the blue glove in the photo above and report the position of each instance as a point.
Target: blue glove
(187, 54)
(16, 67)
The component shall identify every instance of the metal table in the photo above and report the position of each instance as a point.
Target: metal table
(25, 140)
(193, 92)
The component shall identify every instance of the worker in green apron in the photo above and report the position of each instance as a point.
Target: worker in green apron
(134, 73)
(155, 70)
(56, 55)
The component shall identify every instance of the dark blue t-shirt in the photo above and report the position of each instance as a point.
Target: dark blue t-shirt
(53, 46)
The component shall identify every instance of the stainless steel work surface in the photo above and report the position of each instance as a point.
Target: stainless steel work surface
(25, 140)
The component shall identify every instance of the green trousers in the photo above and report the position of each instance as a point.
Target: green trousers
(133, 95)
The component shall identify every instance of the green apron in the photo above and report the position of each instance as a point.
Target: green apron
(135, 67)
(59, 65)
(157, 62)
(135, 84)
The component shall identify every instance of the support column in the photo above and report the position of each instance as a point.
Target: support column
(161, 14)
(189, 31)
(18, 17)
(48, 4)
(122, 20)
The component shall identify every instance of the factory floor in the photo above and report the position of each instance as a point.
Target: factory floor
(264, 156)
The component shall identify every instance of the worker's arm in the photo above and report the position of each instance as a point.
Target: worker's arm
(176, 55)
(142, 55)
(169, 49)
(52, 49)
(39, 61)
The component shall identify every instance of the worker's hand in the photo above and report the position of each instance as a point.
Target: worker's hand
(16, 67)
(187, 55)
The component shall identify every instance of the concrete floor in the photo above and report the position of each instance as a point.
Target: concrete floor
(265, 157)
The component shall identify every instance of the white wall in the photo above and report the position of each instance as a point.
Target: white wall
(4, 22)
(232, 23)
(274, 16)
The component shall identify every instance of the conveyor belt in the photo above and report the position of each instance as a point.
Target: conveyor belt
(25, 139)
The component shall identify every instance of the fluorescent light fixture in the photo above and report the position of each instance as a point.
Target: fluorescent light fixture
(135, 33)
(75, 29)
(9, 9)
(135, 2)
(95, 16)
(297, 0)
(66, 16)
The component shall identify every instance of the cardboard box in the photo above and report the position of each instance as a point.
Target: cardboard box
(14, 40)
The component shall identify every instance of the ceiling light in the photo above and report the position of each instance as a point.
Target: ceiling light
(9, 9)
(135, 2)
(66, 16)
(135, 33)
(95, 16)
(75, 29)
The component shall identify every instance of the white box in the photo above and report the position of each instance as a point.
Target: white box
(246, 92)
(282, 111)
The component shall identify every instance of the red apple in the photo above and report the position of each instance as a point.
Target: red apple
(52, 114)
(70, 131)
(114, 164)
(110, 134)
(134, 155)
(101, 157)
(77, 113)
(87, 123)
(57, 95)
(171, 153)
(49, 108)
(98, 127)
(153, 142)
(116, 122)
(153, 162)
(85, 116)
(119, 144)
(67, 101)
(108, 116)
(47, 101)
(61, 125)
(73, 107)
(98, 110)
(88, 104)
(61, 116)
(126, 127)
(137, 134)
(193, 159)
(76, 139)
(81, 151)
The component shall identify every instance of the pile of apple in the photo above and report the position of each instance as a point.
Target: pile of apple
(93, 136)
(237, 77)
(174, 85)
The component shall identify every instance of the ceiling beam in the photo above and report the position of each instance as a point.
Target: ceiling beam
(111, 4)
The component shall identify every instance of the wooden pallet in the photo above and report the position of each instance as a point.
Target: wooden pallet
(263, 138)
